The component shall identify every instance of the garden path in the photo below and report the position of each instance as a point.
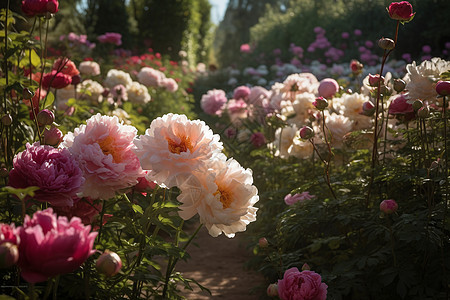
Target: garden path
(218, 264)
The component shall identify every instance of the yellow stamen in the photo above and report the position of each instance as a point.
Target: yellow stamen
(183, 146)
(108, 147)
(225, 198)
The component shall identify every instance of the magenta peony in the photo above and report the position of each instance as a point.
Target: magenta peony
(86, 209)
(54, 171)
(8, 234)
(56, 80)
(110, 38)
(401, 11)
(305, 285)
(214, 102)
(291, 199)
(33, 8)
(388, 206)
(102, 148)
(257, 139)
(52, 245)
(400, 106)
(9, 240)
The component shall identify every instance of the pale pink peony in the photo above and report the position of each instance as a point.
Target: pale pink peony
(169, 84)
(291, 199)
(214, 102)
(54, 171)
(241, 92)
(328, 87)
(90, 68)
(222, 194)
(52, 245)
(103, 148)
(299, 83)
(86, 209)
(174, 144)
(304, 285)
(150, 77)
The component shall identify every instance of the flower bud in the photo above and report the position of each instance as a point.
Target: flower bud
(45, 117)
(76, 79)
(388, 206)
(272, 290)
(320, 103)
(9, 254)
(443, 88)
(401, 11)
(263, 243)
(423, 112)
(375, 79)
(386, 43)
(356, 66)
(306, 133)
(368, 108)
(417, 104)
(109, 263)
(7, 120)
(306, 267)
(27, 94)
(328, 88)
(53, 136)
(4, 172)
(399, 85)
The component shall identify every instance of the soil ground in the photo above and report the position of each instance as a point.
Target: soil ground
(218, 264)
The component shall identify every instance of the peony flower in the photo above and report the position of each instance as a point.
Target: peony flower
(103, 149)
(174, 144)
(299, 83)
(89, 68)
(388, 206)
(52, 245)
(39, 7)
(110, 38)
(54, 171)
(245, 48)
(53, 136)
(223, 195)
(213, 102)
(65, 66)
(169, 84)
(138, 93)
(291, 199)
(56, 80)
(288, 143)
(86, 209)
(328, 87)
(400, 106)
(150, 77)
(241, 93)
(257, 139)
(90, 90)
(401, 11)
(115, 77)
(304, 285)
(298, 111)
(9, 234)
(338, 126)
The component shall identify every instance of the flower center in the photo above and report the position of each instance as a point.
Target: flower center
(107, 146)
(225, 197)
(183, 146)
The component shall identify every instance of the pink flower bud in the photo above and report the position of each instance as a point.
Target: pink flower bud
(356, 67)
(368, 108)
(306, 133)
(423, 112)
(109, 263)
(263, 243)
(306, 267)
(272, 290)
(320, 103)
(401, 11)
(375, 79)
(386, 43)
(53, 136)
(45, 117)
(388, 206)
(328, 88)
(9, 255)
(443, 88)
(417, 104)
(399, 85)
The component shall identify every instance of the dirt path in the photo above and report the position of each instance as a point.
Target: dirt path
(218, 264)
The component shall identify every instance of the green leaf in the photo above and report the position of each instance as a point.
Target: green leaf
(22, 193)
(49, 100)
(138, 209)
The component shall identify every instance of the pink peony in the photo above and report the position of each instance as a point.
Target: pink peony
(111, 38)
(305, 285)
(52, 245)
(328, 87)
(54, 171)
(144, 185)
(103, 149)
(56, 80)
(53, 136)
(66, 66)
(245, 48)
(241, 92)
(291, 199)
(388, 206)
(150, 77)
(174, 144)
(400, 106)
(169, 84)
(86, 209)
(214, 102)
(9, 234)
(39, 7)
(401, 11)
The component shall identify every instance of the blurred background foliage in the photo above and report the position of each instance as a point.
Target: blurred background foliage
(173, 25)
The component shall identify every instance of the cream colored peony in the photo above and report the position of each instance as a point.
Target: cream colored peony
(351, 107)
(421, 80)
(288, 143)
(298, 111)
(116, 77)
(223, 195)
(299, 83)
(138, 93)
(338, 126)
(173, 145)
(90, 90)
